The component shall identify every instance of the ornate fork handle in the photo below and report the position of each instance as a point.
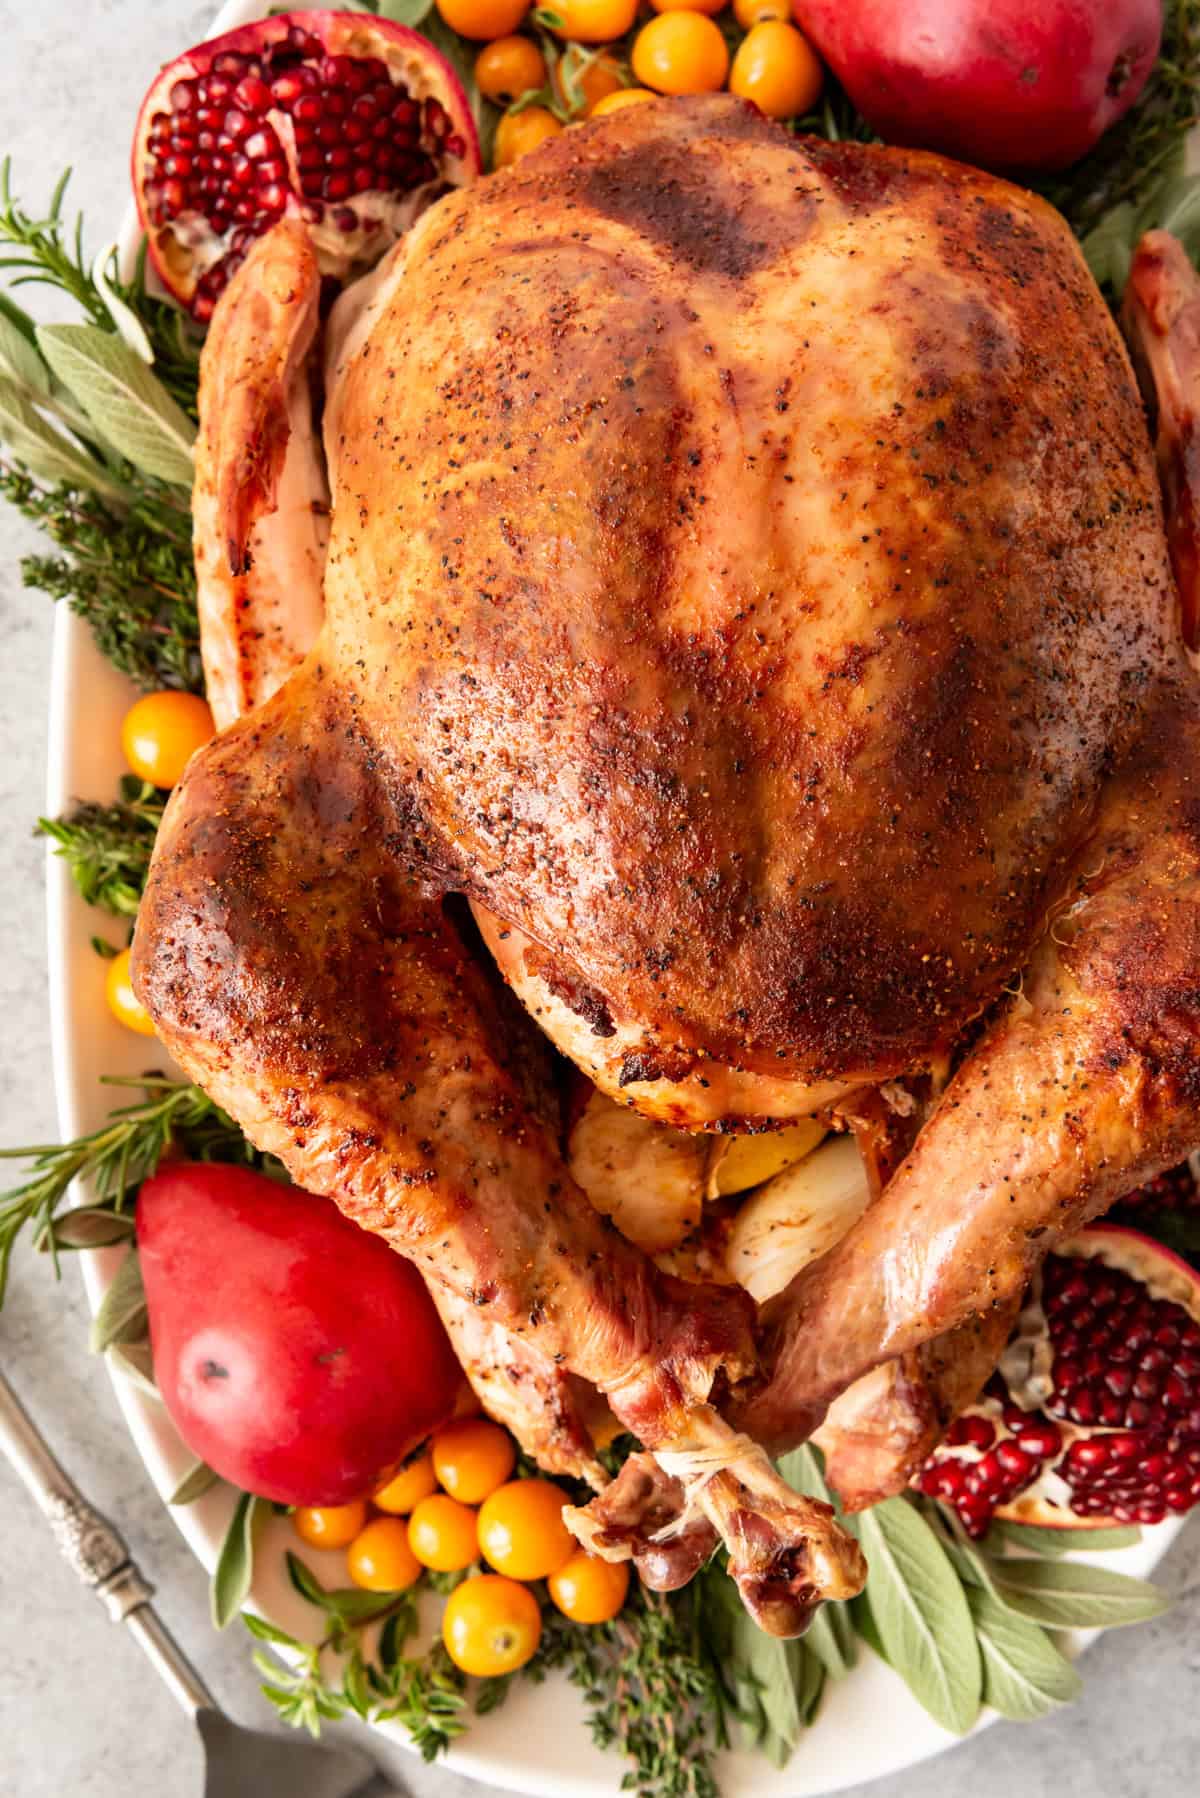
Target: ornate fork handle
(97, 1551)
(87, 1541)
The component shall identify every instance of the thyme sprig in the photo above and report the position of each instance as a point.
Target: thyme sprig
(129, 576)
(108, 847)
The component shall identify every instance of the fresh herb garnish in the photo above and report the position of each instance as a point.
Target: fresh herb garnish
(108, 847)
(48, 251)
(127, 573)
(115, 1159)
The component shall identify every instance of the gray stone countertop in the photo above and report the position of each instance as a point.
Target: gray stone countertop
(80, 1712)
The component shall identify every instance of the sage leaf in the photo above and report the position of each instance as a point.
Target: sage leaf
(263, 1631)
(1024, 1674)
(865, 1625)
(91, 1227)
(47, 454)
(920, 1611)
(1051, 1544)
(347, 1604)
(124, 400)
(830, 1638)
(21, 362)
(405, 12)
(234, 1570)
(129, 326)
(1072, 1595)
(122, 1316)
(778, 1684)
(199, 1479)
(1108, 247)
(809, 1679)
(1176, 208)
(134, 1362)
(802, 1470)
(354, 1684)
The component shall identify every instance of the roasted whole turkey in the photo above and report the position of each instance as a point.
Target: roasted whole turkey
(751, 663)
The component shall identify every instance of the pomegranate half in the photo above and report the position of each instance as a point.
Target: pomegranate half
(345, 120)
(1093, 1416)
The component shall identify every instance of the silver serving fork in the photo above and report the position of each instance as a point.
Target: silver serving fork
(239, 1763)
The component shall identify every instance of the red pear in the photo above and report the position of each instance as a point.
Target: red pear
(999, 83)
(298, 1356)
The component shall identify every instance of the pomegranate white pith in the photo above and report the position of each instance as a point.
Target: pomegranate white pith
(351, 122)
(1093, 1417)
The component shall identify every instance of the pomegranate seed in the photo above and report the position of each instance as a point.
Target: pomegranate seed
(345, 219)
(1015, 1462)
(1092, 1453)
(454, 145)
(285, 89)
(172, 198)
(236, 124)
(354, 131)
(339, 157)
(1083, 1407)
(309, 109)
(1041, 1438)
(336, 187)
(407, 112)
(273, 169)
(336, 105)
(183, 95)
(230, 63)
(976, 1514)
(252, 93)
(365, 107)
(273, 197)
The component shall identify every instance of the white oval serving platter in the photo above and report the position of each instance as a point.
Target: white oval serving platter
(538, 1743)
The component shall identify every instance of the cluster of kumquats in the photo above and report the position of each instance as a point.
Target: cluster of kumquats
(614, 59)
(453, 1507)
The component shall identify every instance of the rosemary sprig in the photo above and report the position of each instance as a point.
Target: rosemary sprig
(108, 847)
(117, 1157)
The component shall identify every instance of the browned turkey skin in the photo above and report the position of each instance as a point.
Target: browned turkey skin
(748, 584)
